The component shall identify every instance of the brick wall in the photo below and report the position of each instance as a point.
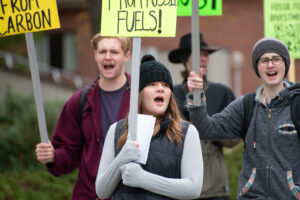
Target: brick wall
(240, 26)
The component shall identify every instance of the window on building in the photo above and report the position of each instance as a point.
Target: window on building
(57, 50)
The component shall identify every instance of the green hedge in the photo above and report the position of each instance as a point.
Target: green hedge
(19, 131)
(35, 184)
(233, 159)
(22, 177)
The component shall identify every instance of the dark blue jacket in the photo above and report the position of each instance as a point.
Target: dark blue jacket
(164, 159)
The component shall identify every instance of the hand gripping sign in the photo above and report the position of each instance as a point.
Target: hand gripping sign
(26, 16)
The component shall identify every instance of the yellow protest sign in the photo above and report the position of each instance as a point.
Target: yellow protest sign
(139, 18)
(21, 16)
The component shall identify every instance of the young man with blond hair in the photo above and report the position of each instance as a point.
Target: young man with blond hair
(78, 138)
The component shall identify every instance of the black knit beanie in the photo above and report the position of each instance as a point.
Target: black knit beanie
(267, 45)
(152, 71)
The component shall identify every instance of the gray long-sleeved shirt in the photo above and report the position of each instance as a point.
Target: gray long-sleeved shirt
(188, 187)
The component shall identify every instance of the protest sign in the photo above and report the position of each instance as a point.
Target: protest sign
(22, 16)
(282, 21)
(139, 18)
(206, 7)
(27, 16)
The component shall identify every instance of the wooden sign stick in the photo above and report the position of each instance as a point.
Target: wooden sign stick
(36, 87)
(134, 90)
(195, 47)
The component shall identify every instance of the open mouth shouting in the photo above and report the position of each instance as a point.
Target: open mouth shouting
(159, 100)
(272, 74)
(108, 66)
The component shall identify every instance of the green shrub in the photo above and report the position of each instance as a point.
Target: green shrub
(22, 177)
(19, 131)
(233, 159)
(37, 184)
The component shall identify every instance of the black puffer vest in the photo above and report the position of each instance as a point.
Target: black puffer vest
(164, 159)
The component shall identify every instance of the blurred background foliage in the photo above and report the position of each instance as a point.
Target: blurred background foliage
(12, 41)
(22, 177)
(234, 159)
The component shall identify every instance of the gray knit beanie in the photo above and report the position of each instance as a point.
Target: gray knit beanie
(267, 45)
(152, 71)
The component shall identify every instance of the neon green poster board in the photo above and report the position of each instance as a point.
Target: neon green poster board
(282, 21)
(139, 18)
(206, 7)
(22, 16)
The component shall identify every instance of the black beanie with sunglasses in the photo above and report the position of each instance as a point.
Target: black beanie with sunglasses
(269, 45)
(153, 71)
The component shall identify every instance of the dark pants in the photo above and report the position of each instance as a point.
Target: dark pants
(217, 198)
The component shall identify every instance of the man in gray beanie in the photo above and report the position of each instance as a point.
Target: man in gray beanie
(270, 44)
(270, 168)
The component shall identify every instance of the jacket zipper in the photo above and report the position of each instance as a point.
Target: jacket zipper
(269, 153)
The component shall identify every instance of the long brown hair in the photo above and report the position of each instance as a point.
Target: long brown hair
(173, 131)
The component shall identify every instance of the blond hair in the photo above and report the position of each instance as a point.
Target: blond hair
(126, 43)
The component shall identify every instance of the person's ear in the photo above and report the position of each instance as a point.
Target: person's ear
(127, 55)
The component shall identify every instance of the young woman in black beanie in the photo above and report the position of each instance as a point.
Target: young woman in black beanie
(173, 169)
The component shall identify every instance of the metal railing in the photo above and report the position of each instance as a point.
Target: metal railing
(11, 60)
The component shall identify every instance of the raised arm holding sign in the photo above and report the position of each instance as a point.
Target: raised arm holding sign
(246, 117)
(217, 96)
